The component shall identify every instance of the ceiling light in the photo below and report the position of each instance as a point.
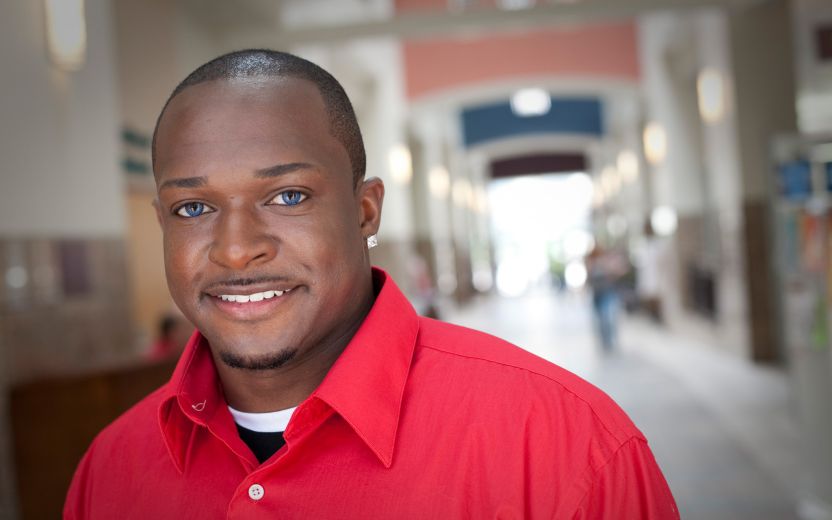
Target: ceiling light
(530, 102)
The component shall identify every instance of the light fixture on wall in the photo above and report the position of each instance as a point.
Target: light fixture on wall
(530, 102)
(710, 91)
(401, 166)
(462, 193)
(66, 33)
(610, 182)
(439, 182)
(627, 164)
(480, 204)
(655, 143)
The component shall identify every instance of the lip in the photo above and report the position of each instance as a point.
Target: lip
(249, 311)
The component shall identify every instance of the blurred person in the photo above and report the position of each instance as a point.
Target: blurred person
(649, 259)
(311, 388)
(605, 269)
(174, 332)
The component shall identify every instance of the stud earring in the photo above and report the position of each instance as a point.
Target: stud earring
(372, 241)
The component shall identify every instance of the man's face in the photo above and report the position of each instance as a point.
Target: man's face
(264, 233)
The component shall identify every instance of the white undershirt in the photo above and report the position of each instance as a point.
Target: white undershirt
(263, 422)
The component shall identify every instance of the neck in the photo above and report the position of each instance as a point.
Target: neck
(258, 391)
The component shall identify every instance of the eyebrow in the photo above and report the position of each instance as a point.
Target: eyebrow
(282, 169)
(185, 182)
(265, 173)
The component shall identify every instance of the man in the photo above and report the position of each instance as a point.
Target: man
(312, 389)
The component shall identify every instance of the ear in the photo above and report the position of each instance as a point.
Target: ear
(370, 198)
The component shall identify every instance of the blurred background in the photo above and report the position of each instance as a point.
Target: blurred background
(637, 190)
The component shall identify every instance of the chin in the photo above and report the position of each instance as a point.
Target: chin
(268, 361)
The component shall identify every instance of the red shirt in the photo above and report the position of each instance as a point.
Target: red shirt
(416, 419)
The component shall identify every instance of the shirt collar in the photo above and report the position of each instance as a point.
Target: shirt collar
(193, 395)
(365, 386)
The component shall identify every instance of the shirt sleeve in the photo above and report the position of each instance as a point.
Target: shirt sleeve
(630, 485)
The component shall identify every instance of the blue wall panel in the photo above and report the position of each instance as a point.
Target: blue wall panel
(567, 115)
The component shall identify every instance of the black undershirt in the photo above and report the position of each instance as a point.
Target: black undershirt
(262, 444)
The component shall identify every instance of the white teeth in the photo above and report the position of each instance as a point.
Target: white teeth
(256, 297)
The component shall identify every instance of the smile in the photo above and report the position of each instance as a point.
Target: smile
(255, 297)
(255, 306)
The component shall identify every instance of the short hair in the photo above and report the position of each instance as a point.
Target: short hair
(265, 63)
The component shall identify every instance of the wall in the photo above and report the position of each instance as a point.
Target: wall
(148, 66)
(63, 147)
(598, 51)
(61, 209)
(146, 269)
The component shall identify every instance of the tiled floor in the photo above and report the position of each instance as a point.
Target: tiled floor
(720, 428)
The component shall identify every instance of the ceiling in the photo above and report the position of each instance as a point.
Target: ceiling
(438, 18)
(453, 20)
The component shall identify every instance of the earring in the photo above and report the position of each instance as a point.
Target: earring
(372, 241)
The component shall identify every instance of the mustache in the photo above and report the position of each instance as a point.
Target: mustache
(245, 281)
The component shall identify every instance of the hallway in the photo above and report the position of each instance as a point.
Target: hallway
(720, 427)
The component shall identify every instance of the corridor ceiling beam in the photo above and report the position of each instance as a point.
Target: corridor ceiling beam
(414, 26)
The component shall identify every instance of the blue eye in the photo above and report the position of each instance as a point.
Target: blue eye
(192, 209)
(289, 198)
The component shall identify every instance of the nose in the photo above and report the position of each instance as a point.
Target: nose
(241, 240)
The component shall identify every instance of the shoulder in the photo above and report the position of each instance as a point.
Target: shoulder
(520, 379)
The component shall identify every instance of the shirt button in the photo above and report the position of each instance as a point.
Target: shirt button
(256, 492)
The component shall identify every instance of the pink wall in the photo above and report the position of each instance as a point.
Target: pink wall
(604, 51)
(433, 6)
(420, 6)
